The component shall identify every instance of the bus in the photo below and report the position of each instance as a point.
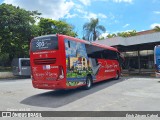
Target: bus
(21, 67)
(64, 62)
(157, 60)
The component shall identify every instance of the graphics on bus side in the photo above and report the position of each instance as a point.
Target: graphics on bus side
(77, 63)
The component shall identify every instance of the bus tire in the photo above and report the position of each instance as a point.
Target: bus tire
(88, 82)
(117, 75)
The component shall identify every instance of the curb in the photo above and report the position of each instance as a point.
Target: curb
(6, 75)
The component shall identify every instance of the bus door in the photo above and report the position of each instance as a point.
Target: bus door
(102, 75)
(109, 63)
(96, 64)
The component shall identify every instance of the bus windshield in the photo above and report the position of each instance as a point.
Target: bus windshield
(44, 43)
(157, 51)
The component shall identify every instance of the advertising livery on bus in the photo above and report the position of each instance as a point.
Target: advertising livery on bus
(157, 60)
(63, 62)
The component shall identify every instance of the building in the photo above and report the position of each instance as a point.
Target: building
(137, 50)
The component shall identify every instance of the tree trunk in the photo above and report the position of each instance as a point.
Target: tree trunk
(94, 35)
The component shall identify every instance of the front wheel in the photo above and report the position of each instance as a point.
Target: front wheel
(117, 75)
(88, 83)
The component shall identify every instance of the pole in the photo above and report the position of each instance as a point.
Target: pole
(139, 62)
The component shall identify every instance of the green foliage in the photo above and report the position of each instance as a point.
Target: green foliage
(127, 34)
(4, 59)
(157, 28)
(5, 69)
(16, 30)
(18, 27)
(122, 34)
(49, 26)
(92, 29)
(75, 73)
(101, 38)
(111, 35)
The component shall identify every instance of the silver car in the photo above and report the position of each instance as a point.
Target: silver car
(21, 67)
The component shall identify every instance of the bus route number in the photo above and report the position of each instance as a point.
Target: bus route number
(40, 44)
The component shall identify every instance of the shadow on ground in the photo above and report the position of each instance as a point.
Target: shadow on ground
(54, 99)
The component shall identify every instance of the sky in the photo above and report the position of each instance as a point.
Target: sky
(115, 15)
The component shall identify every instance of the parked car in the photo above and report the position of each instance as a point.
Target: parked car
(21, 67)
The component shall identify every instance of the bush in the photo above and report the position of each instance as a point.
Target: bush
(4, 59)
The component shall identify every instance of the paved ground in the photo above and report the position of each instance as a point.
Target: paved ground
(126, 94)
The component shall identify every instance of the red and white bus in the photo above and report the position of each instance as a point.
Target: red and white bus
(63, 62)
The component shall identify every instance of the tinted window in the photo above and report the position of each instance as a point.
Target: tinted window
(25, 63)
(94, 51)
(97, 55)
(108, 54)
(44, 43)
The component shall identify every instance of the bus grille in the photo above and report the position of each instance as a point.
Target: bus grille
(44, 61)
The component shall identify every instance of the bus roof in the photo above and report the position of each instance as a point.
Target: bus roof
(91, 43)
(45, 36)
(80, 40)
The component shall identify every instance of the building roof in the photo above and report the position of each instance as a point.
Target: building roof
(134, 40)
(146, 32)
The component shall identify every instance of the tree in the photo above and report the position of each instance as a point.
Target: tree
(49, 26)
(111, 35)
(127, 34)
(101, 38)
(132, 33)
(16, 30)
(92, 29)
(157, 28)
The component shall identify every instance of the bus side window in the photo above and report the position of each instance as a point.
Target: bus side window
(111, 55)
(93, 51)
(114, 56)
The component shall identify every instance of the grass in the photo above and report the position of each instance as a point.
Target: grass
(5, 69)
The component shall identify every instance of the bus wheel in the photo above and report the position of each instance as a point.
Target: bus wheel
(88, 83)
(117, 76)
